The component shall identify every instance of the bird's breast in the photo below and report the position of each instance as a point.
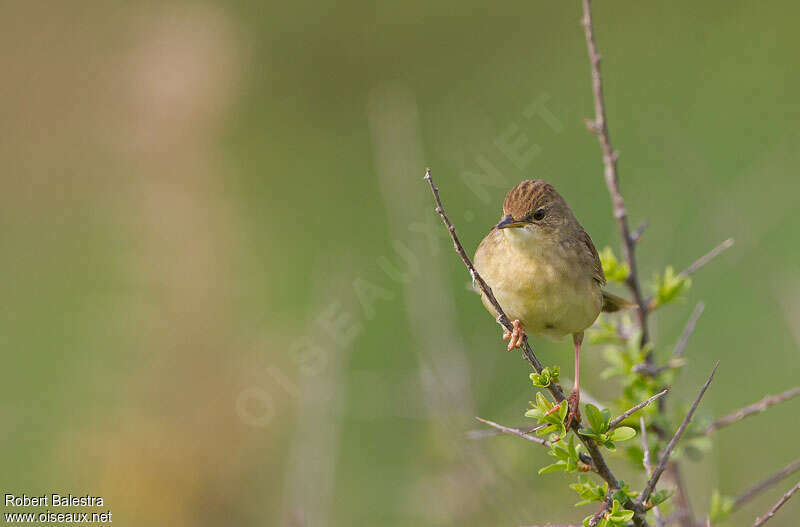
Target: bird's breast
(546, 288)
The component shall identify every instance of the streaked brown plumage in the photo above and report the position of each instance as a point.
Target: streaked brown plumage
(544, 269)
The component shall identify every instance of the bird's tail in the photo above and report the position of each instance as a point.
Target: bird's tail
(613, 303)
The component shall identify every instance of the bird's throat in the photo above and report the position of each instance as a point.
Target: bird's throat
(525, 239)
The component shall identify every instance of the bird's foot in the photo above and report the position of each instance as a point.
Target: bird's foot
(554, 409)
(574, 400)
(516, 336)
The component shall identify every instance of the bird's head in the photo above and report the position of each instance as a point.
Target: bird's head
(533, 212)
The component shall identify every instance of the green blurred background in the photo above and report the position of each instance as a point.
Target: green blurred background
(227, 299)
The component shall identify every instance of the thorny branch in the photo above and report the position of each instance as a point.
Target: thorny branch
(664, 458)
(599, 127)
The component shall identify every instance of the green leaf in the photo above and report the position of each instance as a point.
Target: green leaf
(622, 516)
(606, 414)
(595, 418)
(542, 402)
(603, 331)
(623, 433)
(555, 467)
(614, 270)
(669, 286)
(721, 506)
(661, 496)
(588, 433)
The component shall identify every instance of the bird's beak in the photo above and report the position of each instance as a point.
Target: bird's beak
(508, 221)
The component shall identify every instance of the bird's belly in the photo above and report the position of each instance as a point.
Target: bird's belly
(548, 299)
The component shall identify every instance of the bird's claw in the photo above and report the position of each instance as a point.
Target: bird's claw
(516, 336)
(572, 401)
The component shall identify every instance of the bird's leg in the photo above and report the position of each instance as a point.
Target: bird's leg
(575, 397)
(516, 335)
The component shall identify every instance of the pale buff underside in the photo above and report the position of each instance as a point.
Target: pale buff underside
(539, 282)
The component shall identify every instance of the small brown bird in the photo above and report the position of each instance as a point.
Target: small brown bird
(544, 271)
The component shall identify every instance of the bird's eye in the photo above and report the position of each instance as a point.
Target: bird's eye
(538, 215)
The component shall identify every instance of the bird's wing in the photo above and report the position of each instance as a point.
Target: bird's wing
(597, 268)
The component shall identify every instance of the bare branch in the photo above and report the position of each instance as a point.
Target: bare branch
(751, 409)
(483, 286)
(710, 255)
(627, 413)
(654, 371)
(765, 484)
(700, 262)
(515, 432)
(599, 127)
(664, 458)
(502, 318)
(482, 433)
(770, 513)
(526, 435)
(648, 466)
(688, 330)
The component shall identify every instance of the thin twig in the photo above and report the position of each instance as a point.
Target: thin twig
(697, 264)
(710, 255)
(585, 458)
(648, 467)
(691, 324)
(765, 484)
(654, 371)
(664, 458)
(627, 413)
(514, 431)
(751, 409)
(482, 433)
(770, 513)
